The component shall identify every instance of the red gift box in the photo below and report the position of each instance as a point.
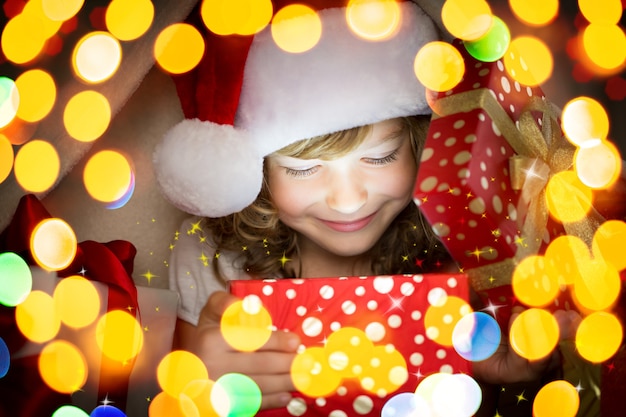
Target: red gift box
(400, 315)
(491, 147)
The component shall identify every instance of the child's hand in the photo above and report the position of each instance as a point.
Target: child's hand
(506, 366)
(269, 366)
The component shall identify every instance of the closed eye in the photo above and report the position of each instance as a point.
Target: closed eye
(384, 160)
(301, 173)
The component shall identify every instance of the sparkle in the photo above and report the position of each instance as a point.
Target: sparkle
(145, 329)
(319, 309)
(520, 397)
(405, 258)
(469, 195)
(579, 387)
(106, 401)
(497, 414)
(244, 248)
(202, 239)
(520, 241)
(176, 235)
(492, 308)
(476, 252)
(418, 374)
(148, 276)
(172, 246)
(153, 220)
(496, 232)
(531, 172)
(82, 271)
(204, 259)
(217, 255)
(450, 190)
(157, 309)
(283, 260)
(419, 262)
(424, 199)
(396, 304)
(194, 228)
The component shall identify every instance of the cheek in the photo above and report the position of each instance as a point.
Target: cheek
(402, 180)
(289, 199)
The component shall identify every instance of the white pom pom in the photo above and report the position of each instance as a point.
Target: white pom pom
(208, 169)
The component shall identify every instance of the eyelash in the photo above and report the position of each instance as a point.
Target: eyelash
(301, 173)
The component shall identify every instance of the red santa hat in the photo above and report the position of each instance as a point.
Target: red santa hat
(252, 99)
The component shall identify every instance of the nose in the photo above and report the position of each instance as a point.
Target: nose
(346, 192)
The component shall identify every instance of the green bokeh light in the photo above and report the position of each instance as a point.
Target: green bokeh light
(69, 411)
(243, 393)
(16, 280)
(493, 44)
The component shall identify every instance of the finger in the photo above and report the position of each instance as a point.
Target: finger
(273, 384)
(277, 400)
(257, 363)
(215, 306)
(282, 341)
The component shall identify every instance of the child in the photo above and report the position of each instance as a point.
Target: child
(336, 204)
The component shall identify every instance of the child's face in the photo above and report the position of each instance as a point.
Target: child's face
(344, 205)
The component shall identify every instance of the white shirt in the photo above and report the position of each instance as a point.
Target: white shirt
(191, 270)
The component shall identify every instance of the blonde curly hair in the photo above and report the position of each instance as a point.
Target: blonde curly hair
(263, 242)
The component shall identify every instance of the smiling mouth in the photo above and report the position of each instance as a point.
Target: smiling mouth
(349, 226)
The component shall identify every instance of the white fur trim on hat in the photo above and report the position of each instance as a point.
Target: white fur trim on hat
(206, 169)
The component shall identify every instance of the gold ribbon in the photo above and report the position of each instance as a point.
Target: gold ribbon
(540, 153)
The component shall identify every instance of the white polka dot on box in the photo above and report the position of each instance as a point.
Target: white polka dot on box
(465, 185)
(364, 339)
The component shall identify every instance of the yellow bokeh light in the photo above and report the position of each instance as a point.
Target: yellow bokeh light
(597, 286)
(37, 166)
(535, 281)
(178, 369)
(96, 57)
(129, 19)
(535, 12)
(565, 253)
(119, 336)
(35, 10)
(179, 48)
(77, 301)
(107, 176)
(556, 398)
(528, 61)
(53, 244)
(373, 19)
(440, 320)
(568, 199)
(439, 66)
(9, 101)
(61, 10)
(312, 375)
(534, 334)
(246, 325)
(598, 164)
(605, 45)
(36, 317)
(37, 91)
(386, 371)
(195, 398)
(599, 336)
(605, 12)
(348, 349)
(242, 17)
(23, 39)
(584, 118)
(608, 243)
(296, 28)
(6, 157)
(467, 19)
(164, 405)
(63, 367)
(87, 116)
